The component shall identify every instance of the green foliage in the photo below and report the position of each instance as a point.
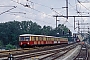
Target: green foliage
(9, 46)
(46, 30)
(1, 44)
(10, 31)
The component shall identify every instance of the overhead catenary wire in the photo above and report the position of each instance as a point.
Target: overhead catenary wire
(48, 7)
(8, 10)
(6, 6)
(25, 13)
(18, 12)
(25, 5)
(45, 6)
(39, 4)
(32, 13)
(75, 9)
(83, 5)
(51, 9)
(33, 9)
(38, 10)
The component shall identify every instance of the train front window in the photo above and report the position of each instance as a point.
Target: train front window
(21, 38)
(27, 38)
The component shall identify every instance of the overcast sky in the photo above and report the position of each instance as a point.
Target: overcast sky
(42, 11)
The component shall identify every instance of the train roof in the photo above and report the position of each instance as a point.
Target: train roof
(30, 35)
(40, 35)
(34, 35)
(49, 36)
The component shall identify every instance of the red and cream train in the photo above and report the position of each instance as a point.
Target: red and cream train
(28, 40)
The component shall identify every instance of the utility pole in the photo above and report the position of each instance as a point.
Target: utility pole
(66, 13)
(68, 16)
(67, 8)
(78, 27)
(56, 22)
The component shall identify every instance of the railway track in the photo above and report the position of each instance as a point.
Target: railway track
(27, 53)
(58, 54)
(83, 54)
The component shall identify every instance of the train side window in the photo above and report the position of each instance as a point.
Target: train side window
(46, 38)
(49, 38)
(27, 38)
(55, 39)
(38, 38)
(52, 38)
(32, 38)
(42, 38)
(58, 39)
(35, 38)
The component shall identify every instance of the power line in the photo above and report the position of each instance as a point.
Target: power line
(56, 11)
(8, 10)
(38, 10)
(31, 13)
(76, 11)
(40, 4)
(18, 12)
(31, 8)
(83, 5)
(28, 11)
(7, 6)
(47, 7)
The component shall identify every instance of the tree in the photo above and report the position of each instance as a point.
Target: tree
(46, 30)
(1, 43)
(10, 31)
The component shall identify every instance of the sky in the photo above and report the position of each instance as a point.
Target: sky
(42, 12)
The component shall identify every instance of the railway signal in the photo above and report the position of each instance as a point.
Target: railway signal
(69, 32)
(63, 32)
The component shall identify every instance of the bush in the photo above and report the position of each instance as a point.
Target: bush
(9, 46)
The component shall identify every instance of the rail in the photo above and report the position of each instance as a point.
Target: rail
(83, 54)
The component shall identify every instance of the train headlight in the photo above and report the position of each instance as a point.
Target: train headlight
(28, 43)
(21, 43)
